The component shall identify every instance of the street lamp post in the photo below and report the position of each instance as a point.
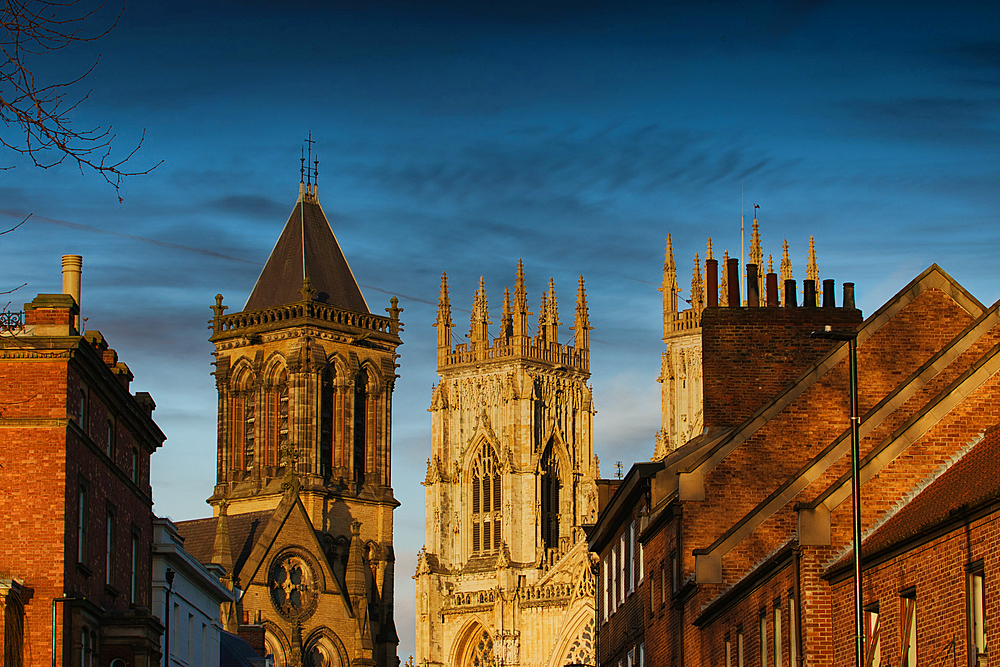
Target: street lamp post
(852, 359)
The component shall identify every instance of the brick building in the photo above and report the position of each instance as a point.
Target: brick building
(303, 504)
(747, 540)
(75, 500)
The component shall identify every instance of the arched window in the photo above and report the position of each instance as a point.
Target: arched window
(550, 499)
(275, 427)
(361, 400)
(487, 495)
(242, 425)
(482, 651)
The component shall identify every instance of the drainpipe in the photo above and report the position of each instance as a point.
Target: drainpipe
(54, 601)
(797, 573)
(169, 576)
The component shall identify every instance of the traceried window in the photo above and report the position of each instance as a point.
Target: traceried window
(550, 500)
(243, 422)
(487, 495)
(977, 617)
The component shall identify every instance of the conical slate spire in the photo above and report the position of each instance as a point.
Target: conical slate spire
(307, 248)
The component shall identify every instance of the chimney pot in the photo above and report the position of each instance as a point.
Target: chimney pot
(849, 295)
(72, 267)
(733, 278)
(791, 300)
(712, 282)
(753, 297)
(771, 287)
(808, 293)
(829, 300)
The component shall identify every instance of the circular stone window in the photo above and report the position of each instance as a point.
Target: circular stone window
(293, 586)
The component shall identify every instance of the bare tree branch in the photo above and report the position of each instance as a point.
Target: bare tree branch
(37, 115)
(16, 226)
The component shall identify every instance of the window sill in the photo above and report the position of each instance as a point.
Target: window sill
(83, 570)
(110, 591)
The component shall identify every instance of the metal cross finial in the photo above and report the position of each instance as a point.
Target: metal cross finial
(310, 149)
(302, 171)
(316, 170)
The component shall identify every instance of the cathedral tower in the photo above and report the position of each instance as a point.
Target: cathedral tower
(303, 502)
(505, 574)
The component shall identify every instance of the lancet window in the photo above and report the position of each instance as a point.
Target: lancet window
(550, 499)
(362, 425)
(275, 427)
(242, 425)
(327, 422)
(487, 496)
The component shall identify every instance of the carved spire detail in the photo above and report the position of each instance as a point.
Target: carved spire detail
(669, 287)
(519, 316)
(443, 322)
(552, 335)
(506, 319)
(812, 268)
(697, 286)
(480, 320)
(581, 324)
(756, 254)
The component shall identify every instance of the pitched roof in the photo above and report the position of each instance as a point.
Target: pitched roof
(307, 248)
(244, 529)
(972, 482)
(235, 652)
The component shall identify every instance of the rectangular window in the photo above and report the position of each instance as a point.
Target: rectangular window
(652, 593)
(84, 409)
(109, 559)
(134, 595)
(623, 575)
(793, 646)
(729, 651)
(135, 466)
(604, 570)
(977, 617)
(739, 646)
(631, 557)
(909, 638)
(777, 633)
(873, 636)
(81, 524)
(663, 584)
(763, 638)
(614, 579)
(642, 566)
(642, 655)
(109, 445)
(675, 573)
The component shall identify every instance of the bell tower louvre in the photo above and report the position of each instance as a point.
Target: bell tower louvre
(303, 502)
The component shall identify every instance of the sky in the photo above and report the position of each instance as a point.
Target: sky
(462, 136)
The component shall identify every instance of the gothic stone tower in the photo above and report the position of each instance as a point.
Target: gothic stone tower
(303, 505)
(505, 574)
(683, 363)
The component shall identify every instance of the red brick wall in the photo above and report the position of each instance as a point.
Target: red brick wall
(937, 570)
(751, 354)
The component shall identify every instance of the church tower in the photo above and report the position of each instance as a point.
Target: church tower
(505, 574)
(303, 504)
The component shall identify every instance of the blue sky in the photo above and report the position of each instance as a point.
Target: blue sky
(460, 137)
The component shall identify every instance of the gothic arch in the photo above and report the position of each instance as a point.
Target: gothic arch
(341, 366)
(556, 443)
(577, 645)
(484, 484)
(323, 648)
(474, 647)
(274, 366)
(375, 383)
(276, 643)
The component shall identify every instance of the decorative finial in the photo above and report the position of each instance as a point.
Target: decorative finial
(310, 142)
(708, 253)
(770, 264)
(302, 170)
